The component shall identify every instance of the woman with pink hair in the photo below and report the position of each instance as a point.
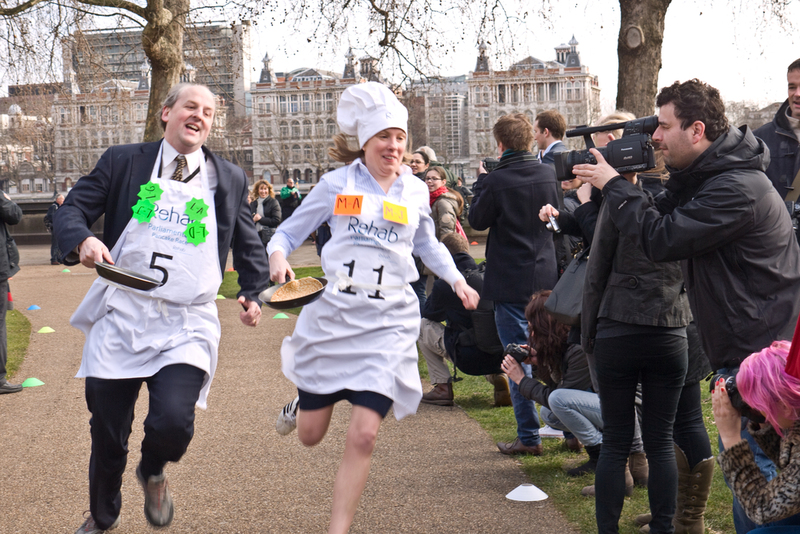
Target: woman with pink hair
(767, 388)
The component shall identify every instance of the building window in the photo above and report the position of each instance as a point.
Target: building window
(307, 152)
(553, 91)
(92, 114)
(284, 130)
(268, 132)
(577, 92)
(261, 106)
(318, 102)
(540, 92)
(319, 128)
(296, 154)
(501, 94)
(26, 186)
(294, 106)
(64, 116)
(328, 101)
(514, 93)
(295, 129)
(331, 128)
(282, 105)
(307, 129)
(306, 103)
(104, 114)
(528, 92)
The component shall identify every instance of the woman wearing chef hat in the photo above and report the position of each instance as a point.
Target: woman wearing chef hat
(357, 342)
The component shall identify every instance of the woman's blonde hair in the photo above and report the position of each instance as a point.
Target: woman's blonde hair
(258, 185)
(343, 152)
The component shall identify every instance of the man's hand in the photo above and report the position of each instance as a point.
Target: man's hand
(546, 212)
(279, 268)
(584, 193)
(481, 168)
(252, 314)
(469, 297)
(92, 250)
(727, 419)
(597, 175)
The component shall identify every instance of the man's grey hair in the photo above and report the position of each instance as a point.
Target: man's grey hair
(175, 93)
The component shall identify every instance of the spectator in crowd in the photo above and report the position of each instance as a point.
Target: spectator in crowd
(10, 214)
(49, 217)
(167, 338)
(519, 250)
(438, 341)
(430, 153)
(782, 137)
(266, 210)
(548, 130)
(766, 384)
(561, 384)
(290, 199)
(446, 204)
(722, 216)
(466, 194)
(419, 164)
(338, 349)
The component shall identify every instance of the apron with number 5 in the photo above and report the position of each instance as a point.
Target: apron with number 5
(361, 334)
(132, 333)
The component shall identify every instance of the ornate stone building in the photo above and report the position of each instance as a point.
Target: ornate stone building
(294, 118)
(528, 86)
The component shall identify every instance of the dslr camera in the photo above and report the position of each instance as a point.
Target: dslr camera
(490, 164)
(517, 352)
(736, 398)
(632, 152)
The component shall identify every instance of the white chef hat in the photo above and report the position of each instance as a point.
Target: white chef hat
(368, 108)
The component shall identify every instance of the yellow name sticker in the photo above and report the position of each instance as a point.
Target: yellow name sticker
(348, 204)
(395, 213)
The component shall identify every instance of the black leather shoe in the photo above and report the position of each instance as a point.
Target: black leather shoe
(5, 387)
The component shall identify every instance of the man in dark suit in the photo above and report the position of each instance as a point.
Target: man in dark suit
(548, 130)
(167, 338)
(10, 214)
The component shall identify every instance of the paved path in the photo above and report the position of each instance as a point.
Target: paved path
(437, 471)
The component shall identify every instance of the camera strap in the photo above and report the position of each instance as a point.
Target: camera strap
(794, 189)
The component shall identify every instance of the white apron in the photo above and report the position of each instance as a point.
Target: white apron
(349, 339)
(133, 334)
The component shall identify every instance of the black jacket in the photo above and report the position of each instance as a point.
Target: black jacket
(784, 156)
(112, 189)
(272, 212)
(723, 217)
(10, 214)
(574, 374)
(624, 285)
(520, 256)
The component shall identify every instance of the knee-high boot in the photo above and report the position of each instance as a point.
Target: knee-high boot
(694, 485)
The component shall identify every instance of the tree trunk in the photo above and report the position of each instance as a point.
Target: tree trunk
(639, 50)
(162, 40)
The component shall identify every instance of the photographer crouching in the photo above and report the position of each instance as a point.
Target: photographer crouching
(765, 387)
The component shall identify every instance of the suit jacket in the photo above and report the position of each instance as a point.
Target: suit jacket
(550, 158)
(112, 188)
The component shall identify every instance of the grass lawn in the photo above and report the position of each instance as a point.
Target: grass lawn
(474, 395)
(18, 330)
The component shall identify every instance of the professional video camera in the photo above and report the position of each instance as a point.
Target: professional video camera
(633, 152)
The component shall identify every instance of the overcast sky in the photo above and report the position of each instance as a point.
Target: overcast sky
(727, 44)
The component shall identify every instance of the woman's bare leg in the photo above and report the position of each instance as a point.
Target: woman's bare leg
(313, 424)
(353, 471)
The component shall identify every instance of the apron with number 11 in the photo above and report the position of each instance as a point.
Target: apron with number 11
(361, 334)
(131, 333)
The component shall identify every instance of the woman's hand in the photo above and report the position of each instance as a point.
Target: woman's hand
(726, 417)
(256, 217)
(279, 268)
(469, 297)
(512, 369)
(546, 212)
(584, 193)
(598, 175)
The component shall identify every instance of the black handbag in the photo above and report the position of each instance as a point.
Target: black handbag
(565, 302)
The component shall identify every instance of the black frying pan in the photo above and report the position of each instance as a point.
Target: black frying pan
(126, 278)
(266, 297)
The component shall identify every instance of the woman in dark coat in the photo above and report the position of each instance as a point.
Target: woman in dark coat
(266, 210)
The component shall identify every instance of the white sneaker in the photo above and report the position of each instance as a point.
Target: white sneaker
(287, 419)
(550, 432)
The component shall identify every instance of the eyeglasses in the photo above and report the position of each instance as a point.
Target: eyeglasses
(432, 179)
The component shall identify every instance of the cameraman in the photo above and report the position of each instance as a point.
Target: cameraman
(520, 257)
(721, 215)
(766, 387)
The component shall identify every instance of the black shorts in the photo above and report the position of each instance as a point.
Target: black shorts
(368, 399)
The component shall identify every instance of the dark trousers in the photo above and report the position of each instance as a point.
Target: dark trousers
(3, 338)
(54, 252)
(690, 432)
(659, 362)
(168, 429)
